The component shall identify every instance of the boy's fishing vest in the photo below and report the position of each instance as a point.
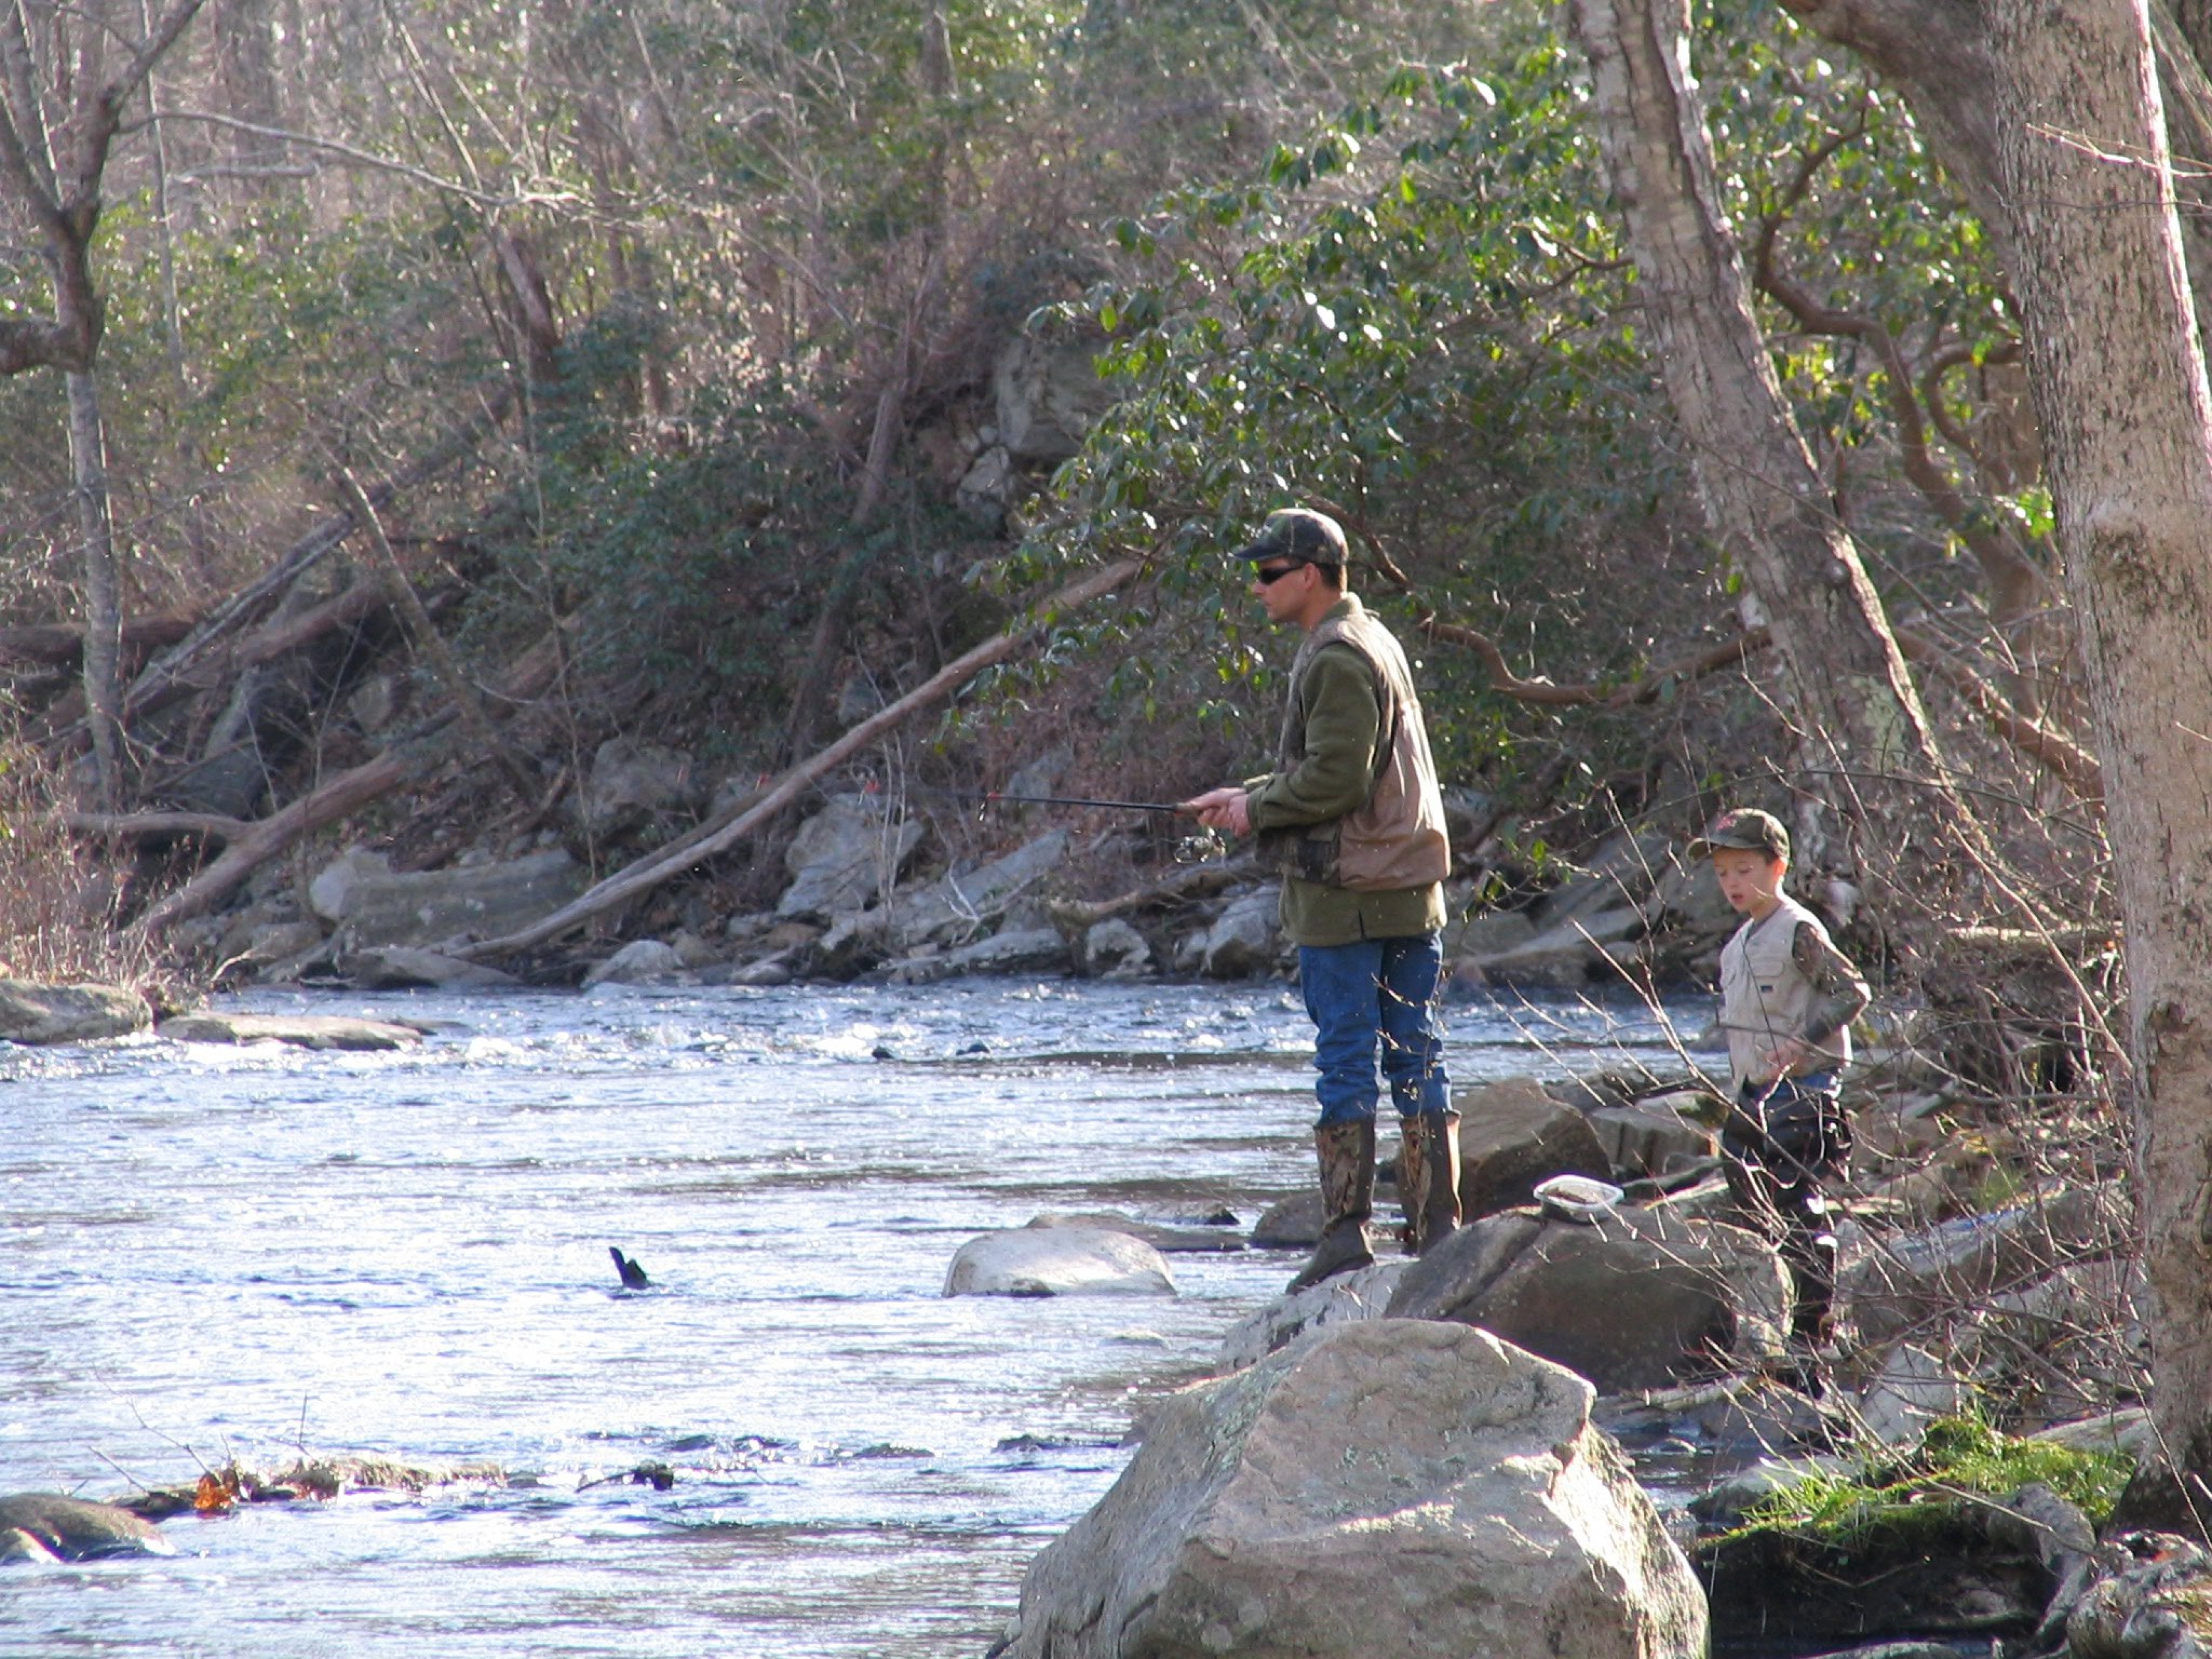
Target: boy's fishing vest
(1765, 999)
(1397, 839)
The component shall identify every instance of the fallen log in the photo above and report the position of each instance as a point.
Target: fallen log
(718, 834)
(61, 645)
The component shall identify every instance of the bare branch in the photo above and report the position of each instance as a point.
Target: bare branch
(378, 163)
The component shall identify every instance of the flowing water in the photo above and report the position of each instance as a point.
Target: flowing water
(212, 1252)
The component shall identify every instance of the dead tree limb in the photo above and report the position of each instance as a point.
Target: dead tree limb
(1729, 653)
(718, 834)
(262, 839)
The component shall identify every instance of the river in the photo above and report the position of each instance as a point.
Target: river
(211, 1252)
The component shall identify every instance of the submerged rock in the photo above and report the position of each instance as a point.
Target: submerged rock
(1392, 1486)
(1051, 1261)
(300, 1031)
(45, 1526)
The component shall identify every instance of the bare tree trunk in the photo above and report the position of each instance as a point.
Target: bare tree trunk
(1860, 718)
(103, 596)
(2121, 388)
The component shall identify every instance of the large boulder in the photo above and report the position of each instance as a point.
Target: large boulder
(1055, 1260)
(1389, 1487)
(633, 783)
(844, 856)
(1632, 1300)
(432, 908)
(1655, 1136)
(1014, 950)
(961, 903)
(41, 1526)
(1245, 939)
(34, 1012)
(1048, 392)
(1513, 1135)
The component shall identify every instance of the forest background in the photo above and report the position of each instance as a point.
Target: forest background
(401, 401)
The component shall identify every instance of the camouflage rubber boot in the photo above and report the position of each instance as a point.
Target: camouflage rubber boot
(1428, 1178)
(1346, 1151)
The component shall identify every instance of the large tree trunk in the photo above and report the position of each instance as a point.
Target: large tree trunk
(1860, 720)
(2127, 419)
(103, 595)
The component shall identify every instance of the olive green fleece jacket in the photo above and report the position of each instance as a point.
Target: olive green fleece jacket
(1343, 725)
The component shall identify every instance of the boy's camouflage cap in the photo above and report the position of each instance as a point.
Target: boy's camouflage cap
(1299, 534)
(1745, 828)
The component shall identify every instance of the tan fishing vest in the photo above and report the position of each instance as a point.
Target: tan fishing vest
(1765, 999)
(1396, 841)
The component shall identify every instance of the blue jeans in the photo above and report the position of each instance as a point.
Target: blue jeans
(1375, 989)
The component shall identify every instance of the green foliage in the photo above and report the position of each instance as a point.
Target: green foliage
(1959, 1460)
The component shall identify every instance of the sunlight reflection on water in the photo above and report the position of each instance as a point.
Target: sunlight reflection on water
(214, 1251)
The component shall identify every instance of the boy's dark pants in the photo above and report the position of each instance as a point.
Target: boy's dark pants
(1779, 1147)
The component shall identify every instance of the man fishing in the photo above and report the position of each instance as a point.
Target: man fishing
(1352, 819)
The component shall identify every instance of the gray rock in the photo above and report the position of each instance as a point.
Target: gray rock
(1913, 1388)
(46, 1525)
(1490, 933)
(1911, 1279)
(299, 1030)
(435, 907)
(1017, 951)
(37, 1013)
(330, 894)
(633, 783)
(1618, 876)
(1294, 1223)
(1166, 1239)
(1362, 1293)
(1058, 1262)
(986, 489)
(1383, 1486)
(1650, 1137)
(1512, 1134)
(1244, 940)
(1630, 1301)
(638, 962)
(844, 856)
(960, 904)
(1048, 392)
(1114, 949)
(399, 967)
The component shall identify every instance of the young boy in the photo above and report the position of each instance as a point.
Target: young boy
(1788, 998)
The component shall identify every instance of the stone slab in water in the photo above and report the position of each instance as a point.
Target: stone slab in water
(301, 1030)
(74, 1529)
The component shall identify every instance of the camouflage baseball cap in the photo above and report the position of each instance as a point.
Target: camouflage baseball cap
(1747, 828)
(1300, 535)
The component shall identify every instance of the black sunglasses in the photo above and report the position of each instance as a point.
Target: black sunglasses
(1268, 577)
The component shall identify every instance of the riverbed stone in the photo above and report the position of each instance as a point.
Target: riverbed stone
(962, 903)
(641, 962)
(1290, 1223)
(632, 783)
(1166, 1239)
(330, 892)
(1011, 951)
(1631, 1300)
(299, 1030)
(76, 1528)
(403, 967)
(1053, 1261)
(1512, 1134)
(844, 856)
(430, 909)
(1114, 949)
(1385, 1487)
(34, 1012)
(1245, 939)
(1651, 1137)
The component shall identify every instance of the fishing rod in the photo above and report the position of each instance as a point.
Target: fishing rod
(1000, 798)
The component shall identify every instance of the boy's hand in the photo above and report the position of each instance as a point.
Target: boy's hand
(1785, 1057)
(1228, 808)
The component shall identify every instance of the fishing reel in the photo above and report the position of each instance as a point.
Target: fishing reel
(1201, 848)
